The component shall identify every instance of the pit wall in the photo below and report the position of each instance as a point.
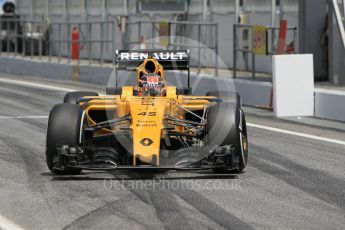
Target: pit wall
(329, 104)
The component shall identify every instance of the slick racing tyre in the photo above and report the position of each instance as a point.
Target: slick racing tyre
(113, 91)
(226, 96)
(226, 125)
(63, 129)
(73, 97)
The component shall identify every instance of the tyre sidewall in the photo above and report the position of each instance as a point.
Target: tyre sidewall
(222, 124)
(63, 129)
(224, 121)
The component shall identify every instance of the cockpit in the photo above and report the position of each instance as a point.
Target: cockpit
(151, 78)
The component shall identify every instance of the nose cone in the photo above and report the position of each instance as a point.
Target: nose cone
(147, 123)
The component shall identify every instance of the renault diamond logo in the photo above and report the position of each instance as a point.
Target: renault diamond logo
(146, 142)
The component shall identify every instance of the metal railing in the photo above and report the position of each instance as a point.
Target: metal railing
(22, 37)
(52, 41)
(178, 31)
(91, 34)
(271, 37)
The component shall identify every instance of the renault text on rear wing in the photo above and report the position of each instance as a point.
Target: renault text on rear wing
(169, 59)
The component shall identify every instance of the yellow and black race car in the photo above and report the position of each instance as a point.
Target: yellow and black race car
(150, 125)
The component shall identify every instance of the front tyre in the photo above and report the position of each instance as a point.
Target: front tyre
(226, 125)
(64, 124)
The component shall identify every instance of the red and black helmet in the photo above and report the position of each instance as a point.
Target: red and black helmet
(151, 84)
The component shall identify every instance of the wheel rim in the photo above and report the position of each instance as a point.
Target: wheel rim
(244, 142)
(243, 139)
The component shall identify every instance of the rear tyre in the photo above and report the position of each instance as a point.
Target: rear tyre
(73, 97)
(113, 90)
(226, 125)
(226, 96)
(65, 121)
(184, 91)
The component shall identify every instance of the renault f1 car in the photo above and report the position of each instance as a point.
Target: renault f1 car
(151, 125)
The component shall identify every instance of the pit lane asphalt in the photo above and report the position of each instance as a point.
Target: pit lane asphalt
(290, 182)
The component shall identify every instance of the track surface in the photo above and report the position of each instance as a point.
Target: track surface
(290, 183)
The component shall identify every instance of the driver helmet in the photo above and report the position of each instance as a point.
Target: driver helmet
(151, 85)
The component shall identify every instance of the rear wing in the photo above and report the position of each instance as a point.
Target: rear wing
(169, 59)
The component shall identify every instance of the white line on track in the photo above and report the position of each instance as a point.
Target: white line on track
(36, 85)
(6, 224)
(296, 134)
(23, 117)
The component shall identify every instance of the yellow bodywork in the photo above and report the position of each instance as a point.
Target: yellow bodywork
(147, 114)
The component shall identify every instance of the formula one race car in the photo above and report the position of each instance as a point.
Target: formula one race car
(151, 125)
